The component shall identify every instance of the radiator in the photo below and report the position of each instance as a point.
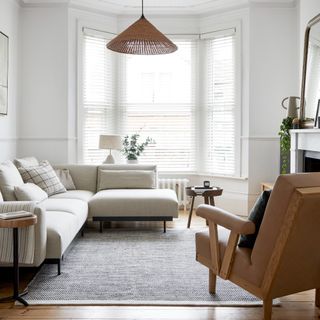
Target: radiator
(179, 186)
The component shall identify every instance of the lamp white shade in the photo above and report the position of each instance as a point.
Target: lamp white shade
(108, 141)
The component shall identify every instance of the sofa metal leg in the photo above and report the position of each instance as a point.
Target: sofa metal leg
(59, 267)
(101, 226)
(164, 226)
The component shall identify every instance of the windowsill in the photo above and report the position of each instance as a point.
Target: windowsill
(188, 173)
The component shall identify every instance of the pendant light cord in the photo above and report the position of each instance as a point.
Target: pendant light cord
(142, 10)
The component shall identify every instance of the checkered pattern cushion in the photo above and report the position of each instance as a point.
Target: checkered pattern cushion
(44, 177)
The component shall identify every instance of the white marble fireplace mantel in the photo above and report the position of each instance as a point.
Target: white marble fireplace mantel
(303, 140)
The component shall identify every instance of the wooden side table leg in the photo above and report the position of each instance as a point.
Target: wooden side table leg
(190, 213)
(212, 201)
(206, 201)
(16, 295)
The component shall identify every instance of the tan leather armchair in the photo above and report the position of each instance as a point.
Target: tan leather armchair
(286, 256)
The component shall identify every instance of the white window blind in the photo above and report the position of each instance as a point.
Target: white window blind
(220, 105)
(187, 105)
(157, 99)
(98, 96)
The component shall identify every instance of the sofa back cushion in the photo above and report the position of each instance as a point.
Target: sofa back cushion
(126, 179)
(1, 197)
(9, 178)
(84, 176)
(26, 162)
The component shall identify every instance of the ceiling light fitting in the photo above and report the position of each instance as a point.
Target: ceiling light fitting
(142, 38)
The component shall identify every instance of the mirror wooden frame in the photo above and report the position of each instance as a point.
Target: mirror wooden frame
(303, 122)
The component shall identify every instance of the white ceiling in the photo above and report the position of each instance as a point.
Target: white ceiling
(156, 6)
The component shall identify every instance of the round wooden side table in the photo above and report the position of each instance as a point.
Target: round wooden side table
(17, 224)
(207, 194)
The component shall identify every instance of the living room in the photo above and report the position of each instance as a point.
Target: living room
(208, 111)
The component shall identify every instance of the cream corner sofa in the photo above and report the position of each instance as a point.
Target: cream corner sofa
(62, 216)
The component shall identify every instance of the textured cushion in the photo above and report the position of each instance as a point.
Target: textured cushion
(9, 178)
(29, 192)
(65, 178)
(256, 216)
(134, 202)
(26, 162)
(83, 195)
(44, 177)
(125, 179)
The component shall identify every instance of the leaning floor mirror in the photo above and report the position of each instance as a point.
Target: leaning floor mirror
(310, 88)
(4, 56)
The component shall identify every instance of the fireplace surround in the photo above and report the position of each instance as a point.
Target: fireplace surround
(305, 150)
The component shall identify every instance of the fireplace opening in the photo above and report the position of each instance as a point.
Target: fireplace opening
(311, 161)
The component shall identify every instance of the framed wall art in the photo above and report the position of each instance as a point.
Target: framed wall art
(4, 66)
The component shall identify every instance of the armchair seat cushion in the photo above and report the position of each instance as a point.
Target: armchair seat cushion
(134, 203)
(242, 267)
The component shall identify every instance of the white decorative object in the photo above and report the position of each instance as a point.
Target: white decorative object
(111, 142)
(303, 140)
(132, 161)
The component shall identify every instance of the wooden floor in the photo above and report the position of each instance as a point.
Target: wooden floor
(295, 307)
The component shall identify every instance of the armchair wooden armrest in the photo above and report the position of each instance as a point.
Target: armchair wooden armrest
(226, 219)
(235, 224)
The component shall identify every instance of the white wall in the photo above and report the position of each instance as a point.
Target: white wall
(9, 25)
(273, 76)
(43, 129)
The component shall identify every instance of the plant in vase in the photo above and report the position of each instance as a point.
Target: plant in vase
(132, 148)
(284, 134)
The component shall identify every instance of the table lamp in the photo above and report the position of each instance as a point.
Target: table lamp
(110, 142)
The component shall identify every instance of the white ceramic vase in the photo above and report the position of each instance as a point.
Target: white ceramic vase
(132, 161)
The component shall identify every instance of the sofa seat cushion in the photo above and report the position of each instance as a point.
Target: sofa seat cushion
(134, 203)
(83, 195)
(61, 230)
(77, 208)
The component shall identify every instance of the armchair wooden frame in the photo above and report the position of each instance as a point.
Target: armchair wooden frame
(237, 226)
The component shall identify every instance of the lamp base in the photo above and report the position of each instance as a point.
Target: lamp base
(109, 159)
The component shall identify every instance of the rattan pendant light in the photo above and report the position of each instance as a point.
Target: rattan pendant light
(142, 38)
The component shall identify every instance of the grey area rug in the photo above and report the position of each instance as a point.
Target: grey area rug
(132, 267)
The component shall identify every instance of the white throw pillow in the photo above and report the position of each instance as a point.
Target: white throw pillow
(126, 179)
(9, 178)
(43, 176)
(65, 178)
(26, 162)
(30, 192)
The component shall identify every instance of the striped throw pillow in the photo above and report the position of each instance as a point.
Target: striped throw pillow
(44, 177)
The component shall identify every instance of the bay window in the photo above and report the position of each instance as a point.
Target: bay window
(185, 101)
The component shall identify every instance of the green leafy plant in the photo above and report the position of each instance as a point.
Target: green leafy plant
(284, 134)
(132, 148)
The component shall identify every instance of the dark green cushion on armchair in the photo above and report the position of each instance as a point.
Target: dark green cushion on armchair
(256, 216)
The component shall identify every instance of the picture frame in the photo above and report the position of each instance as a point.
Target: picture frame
(4, 73)
(316, 120)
